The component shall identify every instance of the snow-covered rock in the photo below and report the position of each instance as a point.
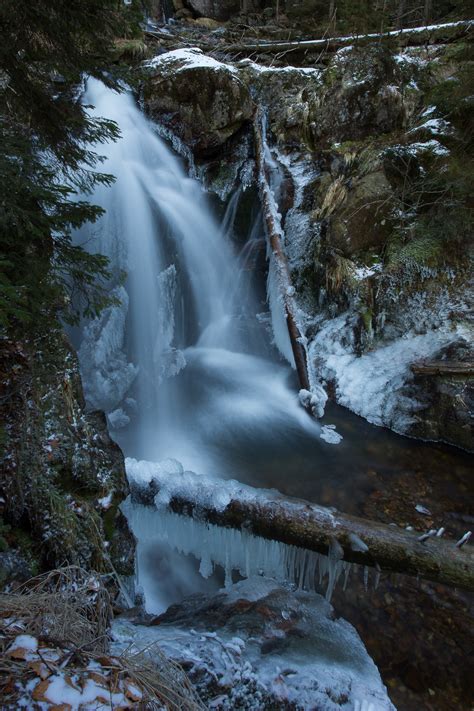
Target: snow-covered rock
(262, 646)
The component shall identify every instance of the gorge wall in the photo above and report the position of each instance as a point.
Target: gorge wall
(376, 232)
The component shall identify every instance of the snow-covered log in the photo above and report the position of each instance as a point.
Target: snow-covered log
(410, 37)
(295, 522)
(274, 234)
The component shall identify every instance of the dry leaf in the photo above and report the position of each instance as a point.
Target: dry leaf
(40, 669)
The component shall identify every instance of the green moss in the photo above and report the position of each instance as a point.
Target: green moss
(367, 318)
(414, 255)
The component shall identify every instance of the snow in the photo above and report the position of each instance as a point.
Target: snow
(436, 126)
(315, 400)
(364, 272)
(24, 641)
(60, 691)
(392, 33)
(173, 482)
(433, 145)
(106, 501)
(290, 651)
(262, 69)
(329, 434)
(371, 385)
(188, 58)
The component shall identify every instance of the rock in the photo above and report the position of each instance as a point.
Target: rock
(361, 219)
(447, 400)
(261, 646)
(203, 101)
(60, 462)
(183, 14)
(207, 22)
(14, 568)
(215, 9)
(360, 95)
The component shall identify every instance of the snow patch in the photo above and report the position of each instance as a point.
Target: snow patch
(315, 400)
(329, 434)
(188, 58)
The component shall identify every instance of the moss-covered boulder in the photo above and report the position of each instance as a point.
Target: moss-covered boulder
(62, 477)
(215, 9)
(204, 102)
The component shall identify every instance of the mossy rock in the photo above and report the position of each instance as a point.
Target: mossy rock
(202, 101)
(60, 460)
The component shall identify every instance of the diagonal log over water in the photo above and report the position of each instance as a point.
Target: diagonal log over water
(273, 231)
(311, 527)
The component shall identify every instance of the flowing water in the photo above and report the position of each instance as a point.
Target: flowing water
(197, 374)
(185, 366)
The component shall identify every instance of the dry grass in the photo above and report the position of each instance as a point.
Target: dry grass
(68, 612)
(69, 605)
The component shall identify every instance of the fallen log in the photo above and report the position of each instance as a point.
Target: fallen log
(274, 232)
(299, 523)
(410, 37)
(443, 367)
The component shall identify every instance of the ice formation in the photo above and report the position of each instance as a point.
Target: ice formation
(315, 400)
(289, 651)
(372, 385)
(232, 549)
(107, 375)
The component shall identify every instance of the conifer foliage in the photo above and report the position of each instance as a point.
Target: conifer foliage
(45, 158)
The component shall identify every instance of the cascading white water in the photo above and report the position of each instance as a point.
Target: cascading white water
(175, 362)
(182, 365)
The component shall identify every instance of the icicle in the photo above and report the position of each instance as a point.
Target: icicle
(334, 566)
(347, 570)
(377, 575)
(366, 578)
(462, 541)
(235, 550)
(357, 544)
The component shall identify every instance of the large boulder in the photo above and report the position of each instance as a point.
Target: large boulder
(204, 102)
(215, 9)
(360, 95)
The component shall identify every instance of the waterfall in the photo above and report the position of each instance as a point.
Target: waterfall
(181, 366)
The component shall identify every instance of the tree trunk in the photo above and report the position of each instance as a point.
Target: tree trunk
(428, 11)
(400, 14)
(273, 236)
(443, 367)
(311, 527)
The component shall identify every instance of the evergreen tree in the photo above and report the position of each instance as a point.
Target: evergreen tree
(47, 46)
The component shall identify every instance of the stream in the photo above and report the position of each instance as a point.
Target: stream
(187, 370)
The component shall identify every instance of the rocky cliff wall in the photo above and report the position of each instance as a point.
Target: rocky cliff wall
(62, 478)
(377, 250)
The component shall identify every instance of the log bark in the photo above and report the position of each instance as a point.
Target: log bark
(273, 231)
(442, 367)
(299, 523)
